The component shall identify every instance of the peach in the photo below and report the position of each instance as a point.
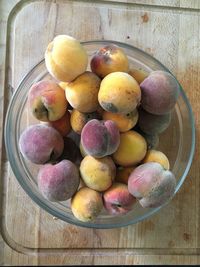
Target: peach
(123, 121)
(62, 125)
(98, 174)
(100, 138)
(65, 58)
(157, 156)
(117, 200)
(132, 149)
(79, 119)
(152, 184)
(153, 124)
(138, 74)
(119, 93)
(83, 153)
(58, 182)
(47, 101)
(160, 92)
(71, 151)
(82, 93)
(86, 204)
(40, 143)
(108, 59)
(151, 139)
(123, 174)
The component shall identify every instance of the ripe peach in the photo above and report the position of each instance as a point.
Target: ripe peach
(151, 184)
(117, 200)
(153, 124)
(62, 125)
(123, 121)
(83, 153)
(65, 58)
(86, 204)
(119, 93)
(138, 74)
(79, 119)
(157, 156)
(47, 101)
(110, 58)
(40, 143)
(100, 138)
(82, 93)
(58, 182)
(132, 149)
(160, 92)
(123, 174)
(98, 174)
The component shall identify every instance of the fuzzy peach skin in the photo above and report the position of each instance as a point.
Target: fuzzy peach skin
(47, 101)
(157, 156)
(62, 125)
(71, 151)
(82, 93)
(98, 174)
(123, 174)
(79, 119)
(138, 74)
(117, 200)
(100, 138)
(65, 58)
(152, 184)
(153, 124)
(40, 143)
(83, 153)
(160, 91)
(86, 204)
(123, 121)
(132, 149)
(108, 59)
(119, 93)
(58, 182)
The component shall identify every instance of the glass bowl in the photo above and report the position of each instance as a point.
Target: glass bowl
(177, 142)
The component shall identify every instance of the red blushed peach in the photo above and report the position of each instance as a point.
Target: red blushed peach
(47, 101)
(86, 204)
(117, 200)
(65, 58)
(62, 125)
(160, 92)
(100, 138)
(58, 182)
(40, 143)
(119, 93)
(152, 184)
(110, 58)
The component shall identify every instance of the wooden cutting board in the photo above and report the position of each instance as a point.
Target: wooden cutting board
(168, 30)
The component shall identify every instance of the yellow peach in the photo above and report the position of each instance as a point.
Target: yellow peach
(157, 156)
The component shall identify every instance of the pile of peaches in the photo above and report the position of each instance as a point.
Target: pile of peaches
(115, 113)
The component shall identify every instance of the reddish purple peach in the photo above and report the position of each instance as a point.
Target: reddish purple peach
(160, 92)
(152, 184)
(58, 182)
(153, 124)
(40, 143)
(100, 138)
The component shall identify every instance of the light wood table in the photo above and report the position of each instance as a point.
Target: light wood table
(170, 237)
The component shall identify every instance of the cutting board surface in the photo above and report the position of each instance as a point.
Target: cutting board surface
(172, 35)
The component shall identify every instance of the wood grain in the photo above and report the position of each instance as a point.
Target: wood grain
(175, 229)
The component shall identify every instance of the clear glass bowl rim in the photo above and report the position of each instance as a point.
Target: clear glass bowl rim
(38, 201)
